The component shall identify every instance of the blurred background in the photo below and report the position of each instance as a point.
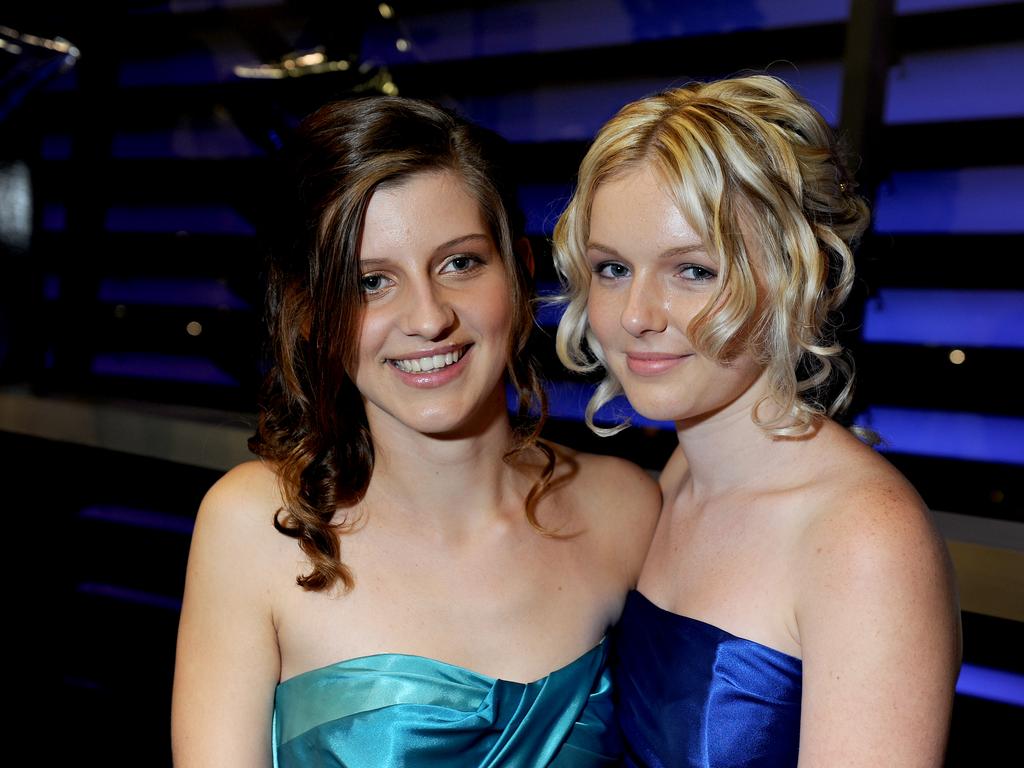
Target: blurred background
(137, 152)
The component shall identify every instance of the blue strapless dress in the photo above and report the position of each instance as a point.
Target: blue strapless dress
(398, 711)
(692, 695)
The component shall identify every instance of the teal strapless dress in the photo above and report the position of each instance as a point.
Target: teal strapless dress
(393, 710)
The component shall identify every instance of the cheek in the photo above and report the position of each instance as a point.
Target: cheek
(372, 333)
(603, 312)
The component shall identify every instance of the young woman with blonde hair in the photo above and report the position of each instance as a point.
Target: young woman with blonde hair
(797, 605)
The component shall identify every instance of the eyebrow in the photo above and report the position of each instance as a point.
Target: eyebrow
(671, 253)
(454, 242)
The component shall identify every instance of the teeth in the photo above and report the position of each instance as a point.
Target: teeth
(428, 363)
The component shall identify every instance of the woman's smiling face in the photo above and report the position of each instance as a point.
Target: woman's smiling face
(434, 340)
(651, 276)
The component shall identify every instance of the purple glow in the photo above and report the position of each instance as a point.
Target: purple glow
(138, 518)
(170, 292)
(208, 220)
(55, 217)
(992, 684)
(946, 318)
(194, 370)
(968, 200)
(124, 594)
(950, 435)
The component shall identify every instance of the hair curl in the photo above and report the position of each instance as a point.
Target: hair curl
(312, 425)
(739, 155)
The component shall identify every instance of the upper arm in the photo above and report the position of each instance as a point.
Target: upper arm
(227, 663)
(879, 634)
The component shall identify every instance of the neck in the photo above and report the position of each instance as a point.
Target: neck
(450, 483)
(726, 451)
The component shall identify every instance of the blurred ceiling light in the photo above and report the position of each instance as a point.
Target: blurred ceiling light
(402, 44)
(194, 328)
(386, 11)
(389, 89)
(293, 65)
(58, 44)
(957, 356)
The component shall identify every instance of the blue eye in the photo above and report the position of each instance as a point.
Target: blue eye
(612, 270)
(461, 263)
(373, 283)
(697, 273)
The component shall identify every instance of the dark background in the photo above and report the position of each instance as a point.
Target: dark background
(137, 194)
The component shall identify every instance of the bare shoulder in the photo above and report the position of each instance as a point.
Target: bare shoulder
(235, 522)
(621, 502)
(865, 510)
(613, 484)
(876, 615)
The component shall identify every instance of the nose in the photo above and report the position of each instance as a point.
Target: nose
(643, 312)
(427, 315)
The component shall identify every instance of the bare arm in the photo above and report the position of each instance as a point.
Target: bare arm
(227, 660)
(879, 632)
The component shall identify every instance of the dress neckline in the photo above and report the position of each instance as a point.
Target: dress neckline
(417, 659)
(708, 627)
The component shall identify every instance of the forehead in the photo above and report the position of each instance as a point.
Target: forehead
(420, 213)
(636, 208)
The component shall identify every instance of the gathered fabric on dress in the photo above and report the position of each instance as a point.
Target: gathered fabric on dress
(692, 695)
(395, 710)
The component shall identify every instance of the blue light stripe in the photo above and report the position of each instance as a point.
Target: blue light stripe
(138, 518)
(222, 141)
(946, 318)
(568, 400)
(170, 292)
(194, 370)
(949, 435)
(965, 436)
(542, 204)
(944, 85)
(55, 217)
(208, 220)
(992, 684)
(966, 200)
(127, 595)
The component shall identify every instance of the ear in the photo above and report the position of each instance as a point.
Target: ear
(524, 252)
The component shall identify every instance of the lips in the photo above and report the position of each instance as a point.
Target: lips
(652, 363)
(432, 362)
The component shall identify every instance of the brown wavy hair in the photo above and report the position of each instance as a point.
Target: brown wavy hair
(312, 425)
(745, 153)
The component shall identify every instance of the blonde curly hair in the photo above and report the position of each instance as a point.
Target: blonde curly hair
(745, 154)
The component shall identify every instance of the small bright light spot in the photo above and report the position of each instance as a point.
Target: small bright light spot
(120, 311)
(386, 11)
(310, 59)
(194, 328)
(389, 89)
(957, 356)
(402, 44)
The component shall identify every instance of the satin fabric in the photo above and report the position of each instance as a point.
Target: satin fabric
(400, 711)
(692, 695)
